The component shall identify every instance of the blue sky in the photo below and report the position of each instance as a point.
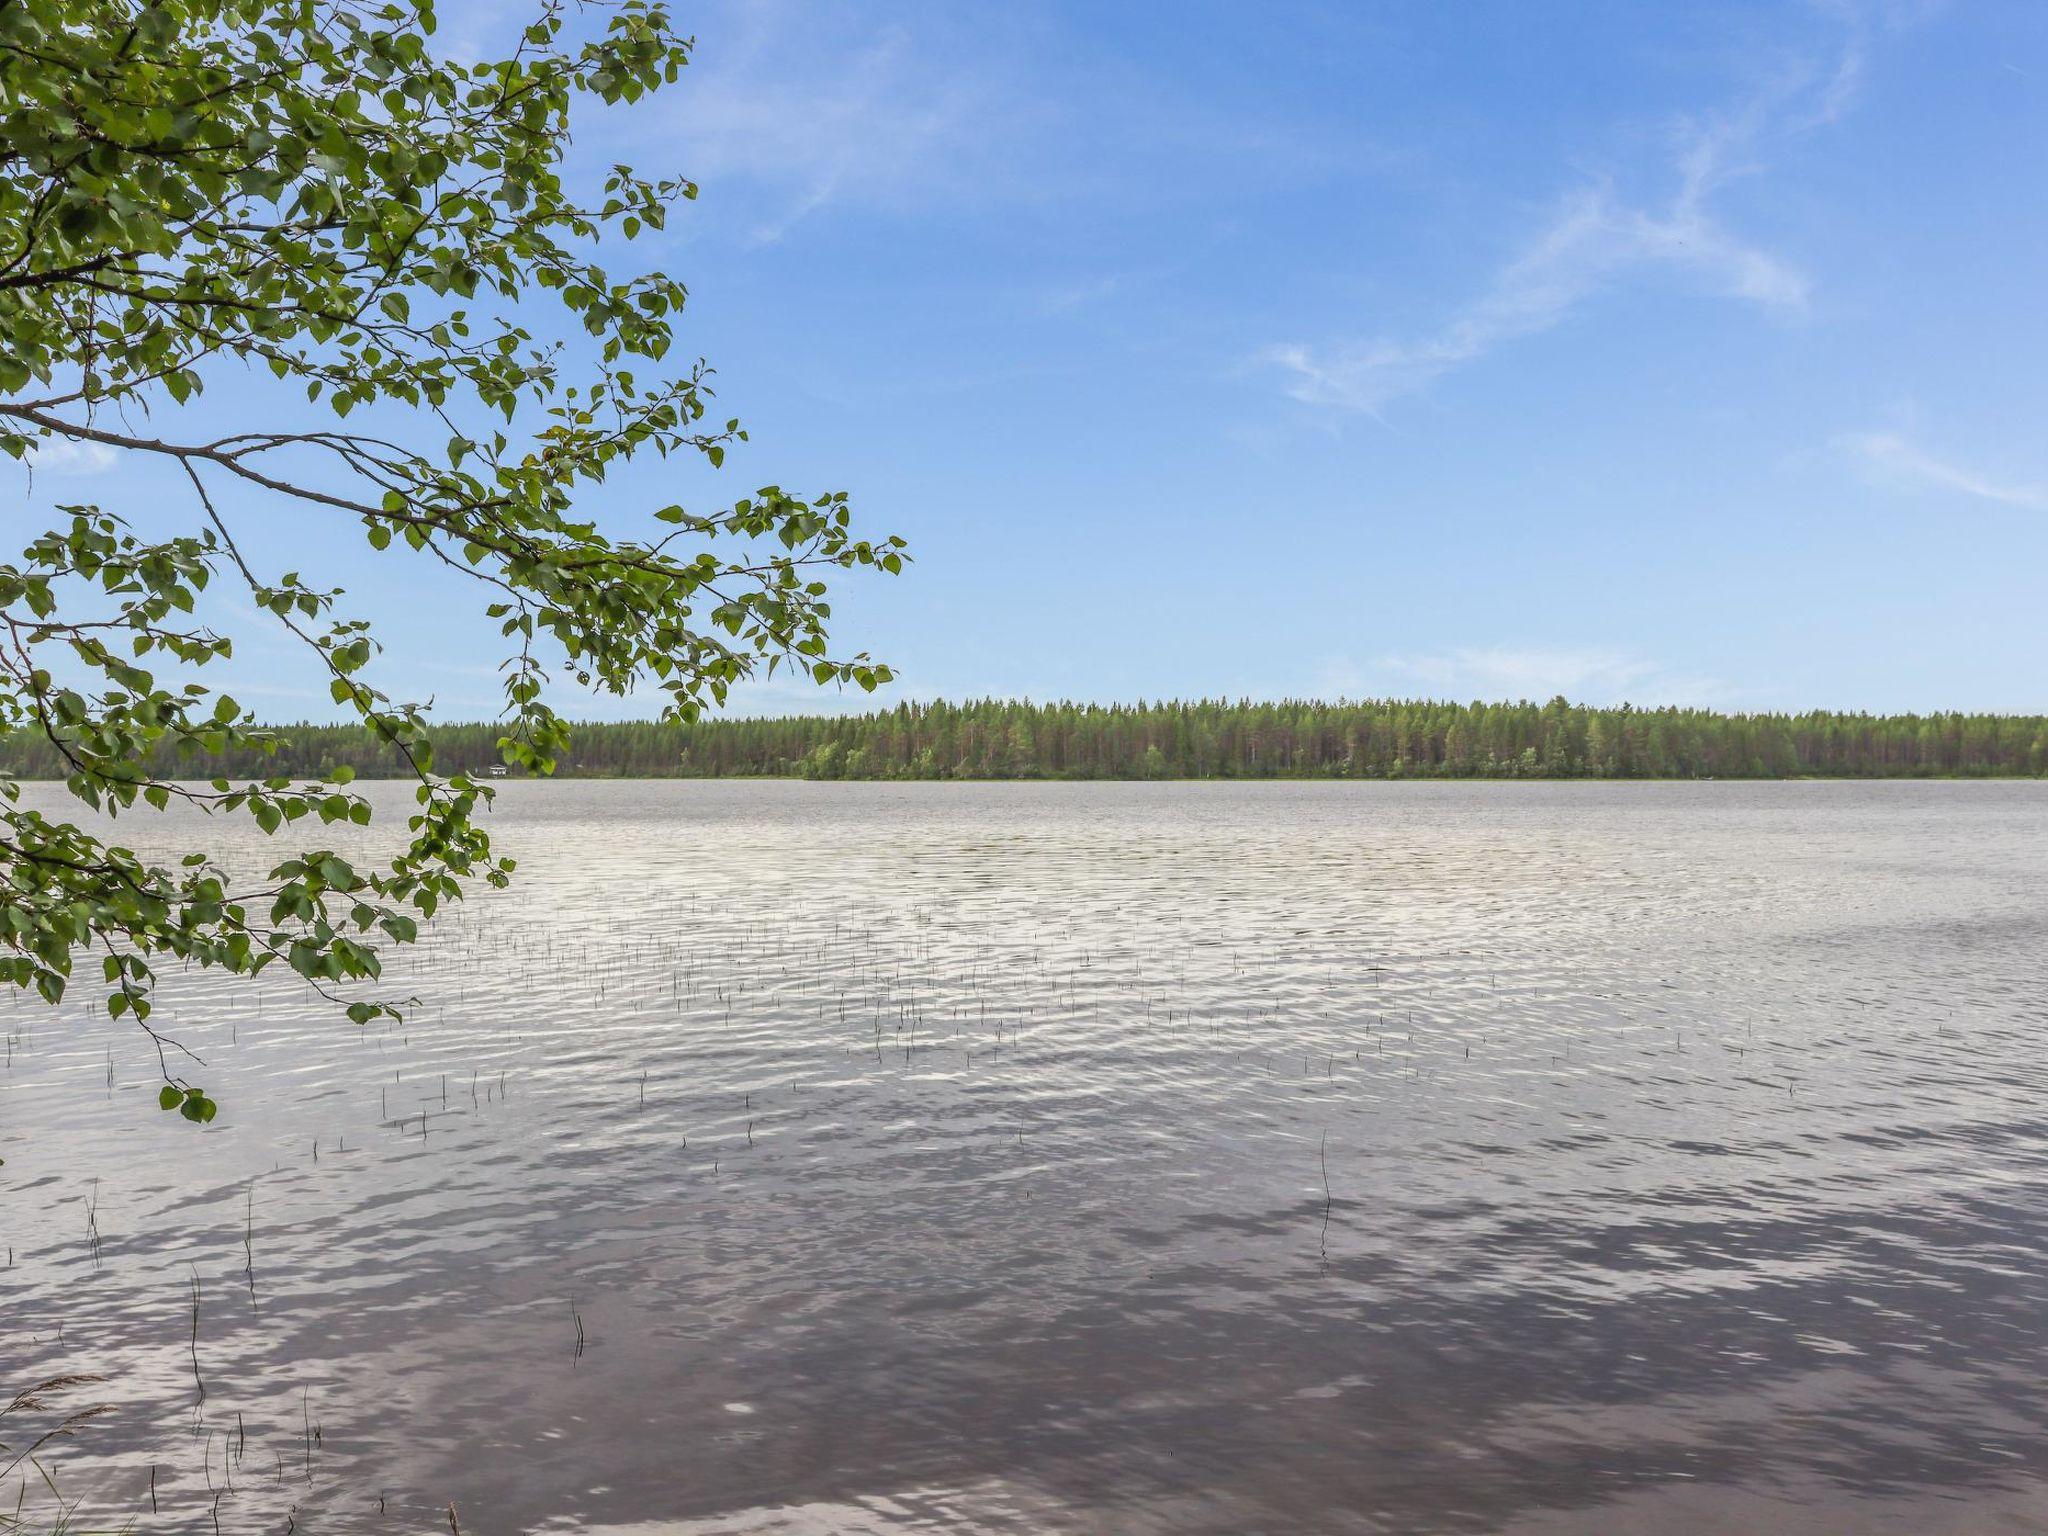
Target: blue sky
(1680, 354)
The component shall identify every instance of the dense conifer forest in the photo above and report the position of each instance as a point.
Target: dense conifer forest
(1002, 739)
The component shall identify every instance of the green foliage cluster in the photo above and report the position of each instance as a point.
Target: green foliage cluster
(1001, 739)
(308, 191)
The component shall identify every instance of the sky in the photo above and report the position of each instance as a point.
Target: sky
(1664, 354)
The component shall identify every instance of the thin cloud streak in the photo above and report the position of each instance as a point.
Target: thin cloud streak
(63, 456)
(1596, 238)
(1896, 461)
(790, 103)
(1593, 240)
(792, 111)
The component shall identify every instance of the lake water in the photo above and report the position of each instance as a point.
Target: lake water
(1177, 1158)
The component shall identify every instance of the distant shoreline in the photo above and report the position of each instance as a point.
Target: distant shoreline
(1390, 740)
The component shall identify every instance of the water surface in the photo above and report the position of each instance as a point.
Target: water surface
(1139, 1158)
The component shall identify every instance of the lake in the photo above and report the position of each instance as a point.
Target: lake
(1177, 1158)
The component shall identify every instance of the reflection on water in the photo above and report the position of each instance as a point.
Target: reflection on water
(1175, 1158)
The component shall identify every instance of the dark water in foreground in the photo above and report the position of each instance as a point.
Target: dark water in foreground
(1177, 1158)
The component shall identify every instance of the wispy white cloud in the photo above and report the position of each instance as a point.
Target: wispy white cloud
(1862, 23)
(809, 105)
(62, 456)
(1592, 240)
(1596, 237)
(1584, 675)
(1897, 461)
(793, 107)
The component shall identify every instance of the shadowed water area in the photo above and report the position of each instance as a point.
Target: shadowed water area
(1141, 1158)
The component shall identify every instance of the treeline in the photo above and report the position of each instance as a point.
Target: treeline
(1383, 739)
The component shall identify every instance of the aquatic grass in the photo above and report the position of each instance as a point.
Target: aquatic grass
(23, 1449)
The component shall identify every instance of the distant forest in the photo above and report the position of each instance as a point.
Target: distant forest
(1208, 739)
